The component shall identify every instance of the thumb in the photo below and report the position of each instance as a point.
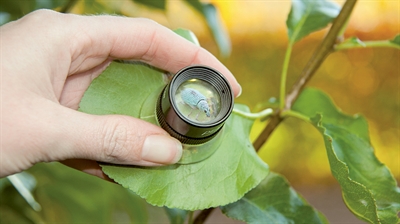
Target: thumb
(114, 139)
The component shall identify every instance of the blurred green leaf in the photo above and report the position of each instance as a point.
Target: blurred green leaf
(176, 216)
(15, 9)
(215, 24)
(196, 4)
(369, 189)
(158, 4)
(70, 196)
(396, 39)
(50, 4)
(14, 208)
(273, 201)
(307, 16)
(25, 183)
(98, 7)
(188, 35)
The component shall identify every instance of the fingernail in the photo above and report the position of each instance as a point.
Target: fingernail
(240, 91)
(161, 149)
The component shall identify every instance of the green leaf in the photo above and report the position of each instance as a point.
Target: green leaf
(25, 183)
(215, 24)
(122, 89)
(369, 189)
(224, 177)
(76, 197)
(176, 216)
(273, 201)
(233, 170)
(50, 4)
(396, 40)
(307, 16)
(14, 208)
(97, 7)
(15, 9)
(158, 4)
(313, 101)
(70, 196)
(188, 35)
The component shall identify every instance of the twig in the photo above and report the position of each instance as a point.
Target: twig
(313, 64)
(326, 47)
(272, 124)
(365, 44)
(202, 216)
(321, 53)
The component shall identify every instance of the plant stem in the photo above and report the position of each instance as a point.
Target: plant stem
(365, 44)
(291, 113)
(282, 94)
(262, 114)
(190, 221)
(267, 131)
(201, 218)
(340, 35)
(324, 49)
(313, 64)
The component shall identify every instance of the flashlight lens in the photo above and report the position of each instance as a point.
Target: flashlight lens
(198, 101)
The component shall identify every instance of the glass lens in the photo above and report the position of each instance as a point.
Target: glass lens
(198, 101)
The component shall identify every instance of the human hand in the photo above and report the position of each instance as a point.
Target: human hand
(48, 60)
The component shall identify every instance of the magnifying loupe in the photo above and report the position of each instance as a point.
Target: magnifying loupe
(193, 108)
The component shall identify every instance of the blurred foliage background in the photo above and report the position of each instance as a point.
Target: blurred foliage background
(365, 81)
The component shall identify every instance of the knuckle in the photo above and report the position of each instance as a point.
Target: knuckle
(117, 141)
(147, 22)
(41, 15)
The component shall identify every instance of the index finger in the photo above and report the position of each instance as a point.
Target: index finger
(147, 41)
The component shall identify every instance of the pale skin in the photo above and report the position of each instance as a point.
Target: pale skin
(48, 60)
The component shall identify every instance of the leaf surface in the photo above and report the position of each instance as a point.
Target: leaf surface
(307, 16)
(188, 35)
(158, 4)
(15, 9)
(223, 178)
(176, 216)
(273, 201)
(369, 189)
(25, 183)
(396, 40)
(70, 196)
